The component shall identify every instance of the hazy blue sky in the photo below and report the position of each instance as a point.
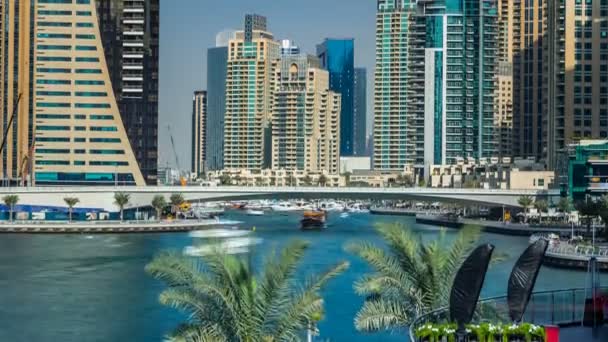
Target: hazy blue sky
(188, 28)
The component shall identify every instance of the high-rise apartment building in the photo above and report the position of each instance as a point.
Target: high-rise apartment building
(394, 133)
(529, 77)
(360, 113)
(217, 65)
(289, 48)
(434, 87)
(503, 100)
(79, 134)
(306, 117)
(199, 129)
(338, 57)
(16, 89)
(577, 62)
(130, 36)
(252, 55)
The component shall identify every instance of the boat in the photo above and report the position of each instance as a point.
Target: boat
(344, 215)
(218, 233)
(313, 220)
(331, 206)
(253, 212)
(237, 245)
(284, 206)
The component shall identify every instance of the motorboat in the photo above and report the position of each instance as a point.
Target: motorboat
(218, 233)
(253, 212)
(284, 206)
(237, 245)
(313, 220)
(331, 206)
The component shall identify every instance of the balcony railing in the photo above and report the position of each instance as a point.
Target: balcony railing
(556, 307)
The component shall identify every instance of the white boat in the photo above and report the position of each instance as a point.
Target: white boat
(331, 206)
(252, 212)
(218, 233)
(284, 206)
(229, 246)
(344, 215)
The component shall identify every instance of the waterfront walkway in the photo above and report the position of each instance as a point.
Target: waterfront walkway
(108, 227)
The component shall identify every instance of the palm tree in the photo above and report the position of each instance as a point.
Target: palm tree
(307, 180)
(11, 201)
(121, 200)
(159, 203)
(542, 207)
(225, 301)
(225, 179)
(71, 202)
(410, 278)
(525, 202)
(564, 205)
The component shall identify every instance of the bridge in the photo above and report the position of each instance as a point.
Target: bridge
(103, 197)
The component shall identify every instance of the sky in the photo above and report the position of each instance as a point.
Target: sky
(188, 29)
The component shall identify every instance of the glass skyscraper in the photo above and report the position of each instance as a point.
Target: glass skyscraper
(338, 57)
(217, 64)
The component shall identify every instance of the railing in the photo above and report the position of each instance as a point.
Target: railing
(557, 307)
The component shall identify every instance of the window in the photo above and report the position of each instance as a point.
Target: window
(104, 129)
(54, 24)
(52, 151)
(104, 140)
(107, 151)
(80, 140)
(85, 36)
(88, 71)
(87, 59)
(53, 105)
(48, 12)
(52, 93)
(89, 82)
(84, 24)
(91, 93)
(53, 116)
(86, 48)
(108, 163)
(55, 1)
(53, 128)
(53, 82)
(50, 139)
(54, 47)
(84, 13)
(102, 117)
(52, 162)
(54, 35)
(54, 70)
(93, 105)
(53, 59)
(80, 128)
(80, 117)
(79, 162)
(541, 182)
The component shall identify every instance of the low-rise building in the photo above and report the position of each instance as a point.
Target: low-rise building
(587, 169)
(350, 164)
(269, 177)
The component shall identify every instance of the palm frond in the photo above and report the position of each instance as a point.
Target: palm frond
(380, 314)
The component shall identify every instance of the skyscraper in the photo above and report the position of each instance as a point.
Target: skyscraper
(199, 123)
(217, 65)
(434, 82)
(16, 88)
(289, 48)
(79, 134)
(130, 36)
(360, 113)
(503, 100)
(394, 132)
(338, 57)
(251, 57)
(577, 62)
(529, 78)
(306, 117)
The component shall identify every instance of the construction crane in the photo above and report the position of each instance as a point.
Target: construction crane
(183, 181)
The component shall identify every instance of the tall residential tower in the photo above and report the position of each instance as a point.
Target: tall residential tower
(252, 55)
(199, 129)
(306, 117)
(130, 36)
(360, 113)
(79, 134)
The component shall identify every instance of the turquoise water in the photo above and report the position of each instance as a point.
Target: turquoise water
(93, 288)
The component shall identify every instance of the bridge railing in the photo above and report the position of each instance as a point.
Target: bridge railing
(555, 307)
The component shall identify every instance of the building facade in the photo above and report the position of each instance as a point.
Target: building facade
(503, 99)
(251, 57)
(130, 36)
(199, 130)
(16, 89)
(577, 58)
(529, 77)
(394, 134)
(217, 65)
(305, 117)
(360, 113)
(79, 134)
(338, 57)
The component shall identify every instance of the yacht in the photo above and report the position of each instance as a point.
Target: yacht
(254, 212)
(284, 206)
(331, 206)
